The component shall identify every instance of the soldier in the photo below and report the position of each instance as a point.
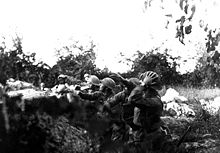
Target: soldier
(106, 90)
(94, 83)
(97, 98)
(122, 113)
(86, 77)
(127, 83)
(94, 105)
(122, 98)
(149, 136)
(62, 86)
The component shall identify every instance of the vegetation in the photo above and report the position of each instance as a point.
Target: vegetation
(42, 131)
(193, 93)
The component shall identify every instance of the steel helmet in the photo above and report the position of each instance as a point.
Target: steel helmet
(86, 75)
(108, 82)
(151, 78)
(94, 80)
(62, 76)
(33, 76)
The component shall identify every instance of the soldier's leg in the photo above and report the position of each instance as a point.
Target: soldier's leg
(139, 136)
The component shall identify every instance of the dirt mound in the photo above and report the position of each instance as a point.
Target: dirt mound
(40, 133)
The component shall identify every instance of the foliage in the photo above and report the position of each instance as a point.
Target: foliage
(192, 93)
(102, 73)
(78, 61)
(185, 27)
(207, 72)
(213, 39)
(14, 63)
(164, 64)
(11, 62)
(205, 123)
(192, 79)
(183, 22)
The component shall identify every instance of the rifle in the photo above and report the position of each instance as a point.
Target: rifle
(184, 136)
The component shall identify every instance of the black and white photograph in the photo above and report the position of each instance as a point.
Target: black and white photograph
(109, 76)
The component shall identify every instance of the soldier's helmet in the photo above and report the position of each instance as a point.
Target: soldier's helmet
(151, 79)
(94, 80)
(108, 82)
(62, 76)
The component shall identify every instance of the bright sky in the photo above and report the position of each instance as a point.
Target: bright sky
(114, 26)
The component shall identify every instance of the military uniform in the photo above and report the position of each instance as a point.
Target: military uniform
(123, 112)
(98, 98)
(147, 115)
(93, 103)
(119, 128)
(97, 95)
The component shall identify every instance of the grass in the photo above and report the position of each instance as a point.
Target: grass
(203, 93)
(204, 127)
(198, 93)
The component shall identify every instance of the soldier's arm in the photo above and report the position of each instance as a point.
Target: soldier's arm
(136, 94)
(128, 84)
(118, 98)
(138, 99)
(124, 81)
(91, 96)
(148, 102)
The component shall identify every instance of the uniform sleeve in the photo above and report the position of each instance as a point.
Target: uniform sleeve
(136, 94)
(118, 98)
(91, 96)
(139, 100)
(149, 102)
(128, 84)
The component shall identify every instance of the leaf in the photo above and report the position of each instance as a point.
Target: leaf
(193, 9)
(186, 8)
(181, 4)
